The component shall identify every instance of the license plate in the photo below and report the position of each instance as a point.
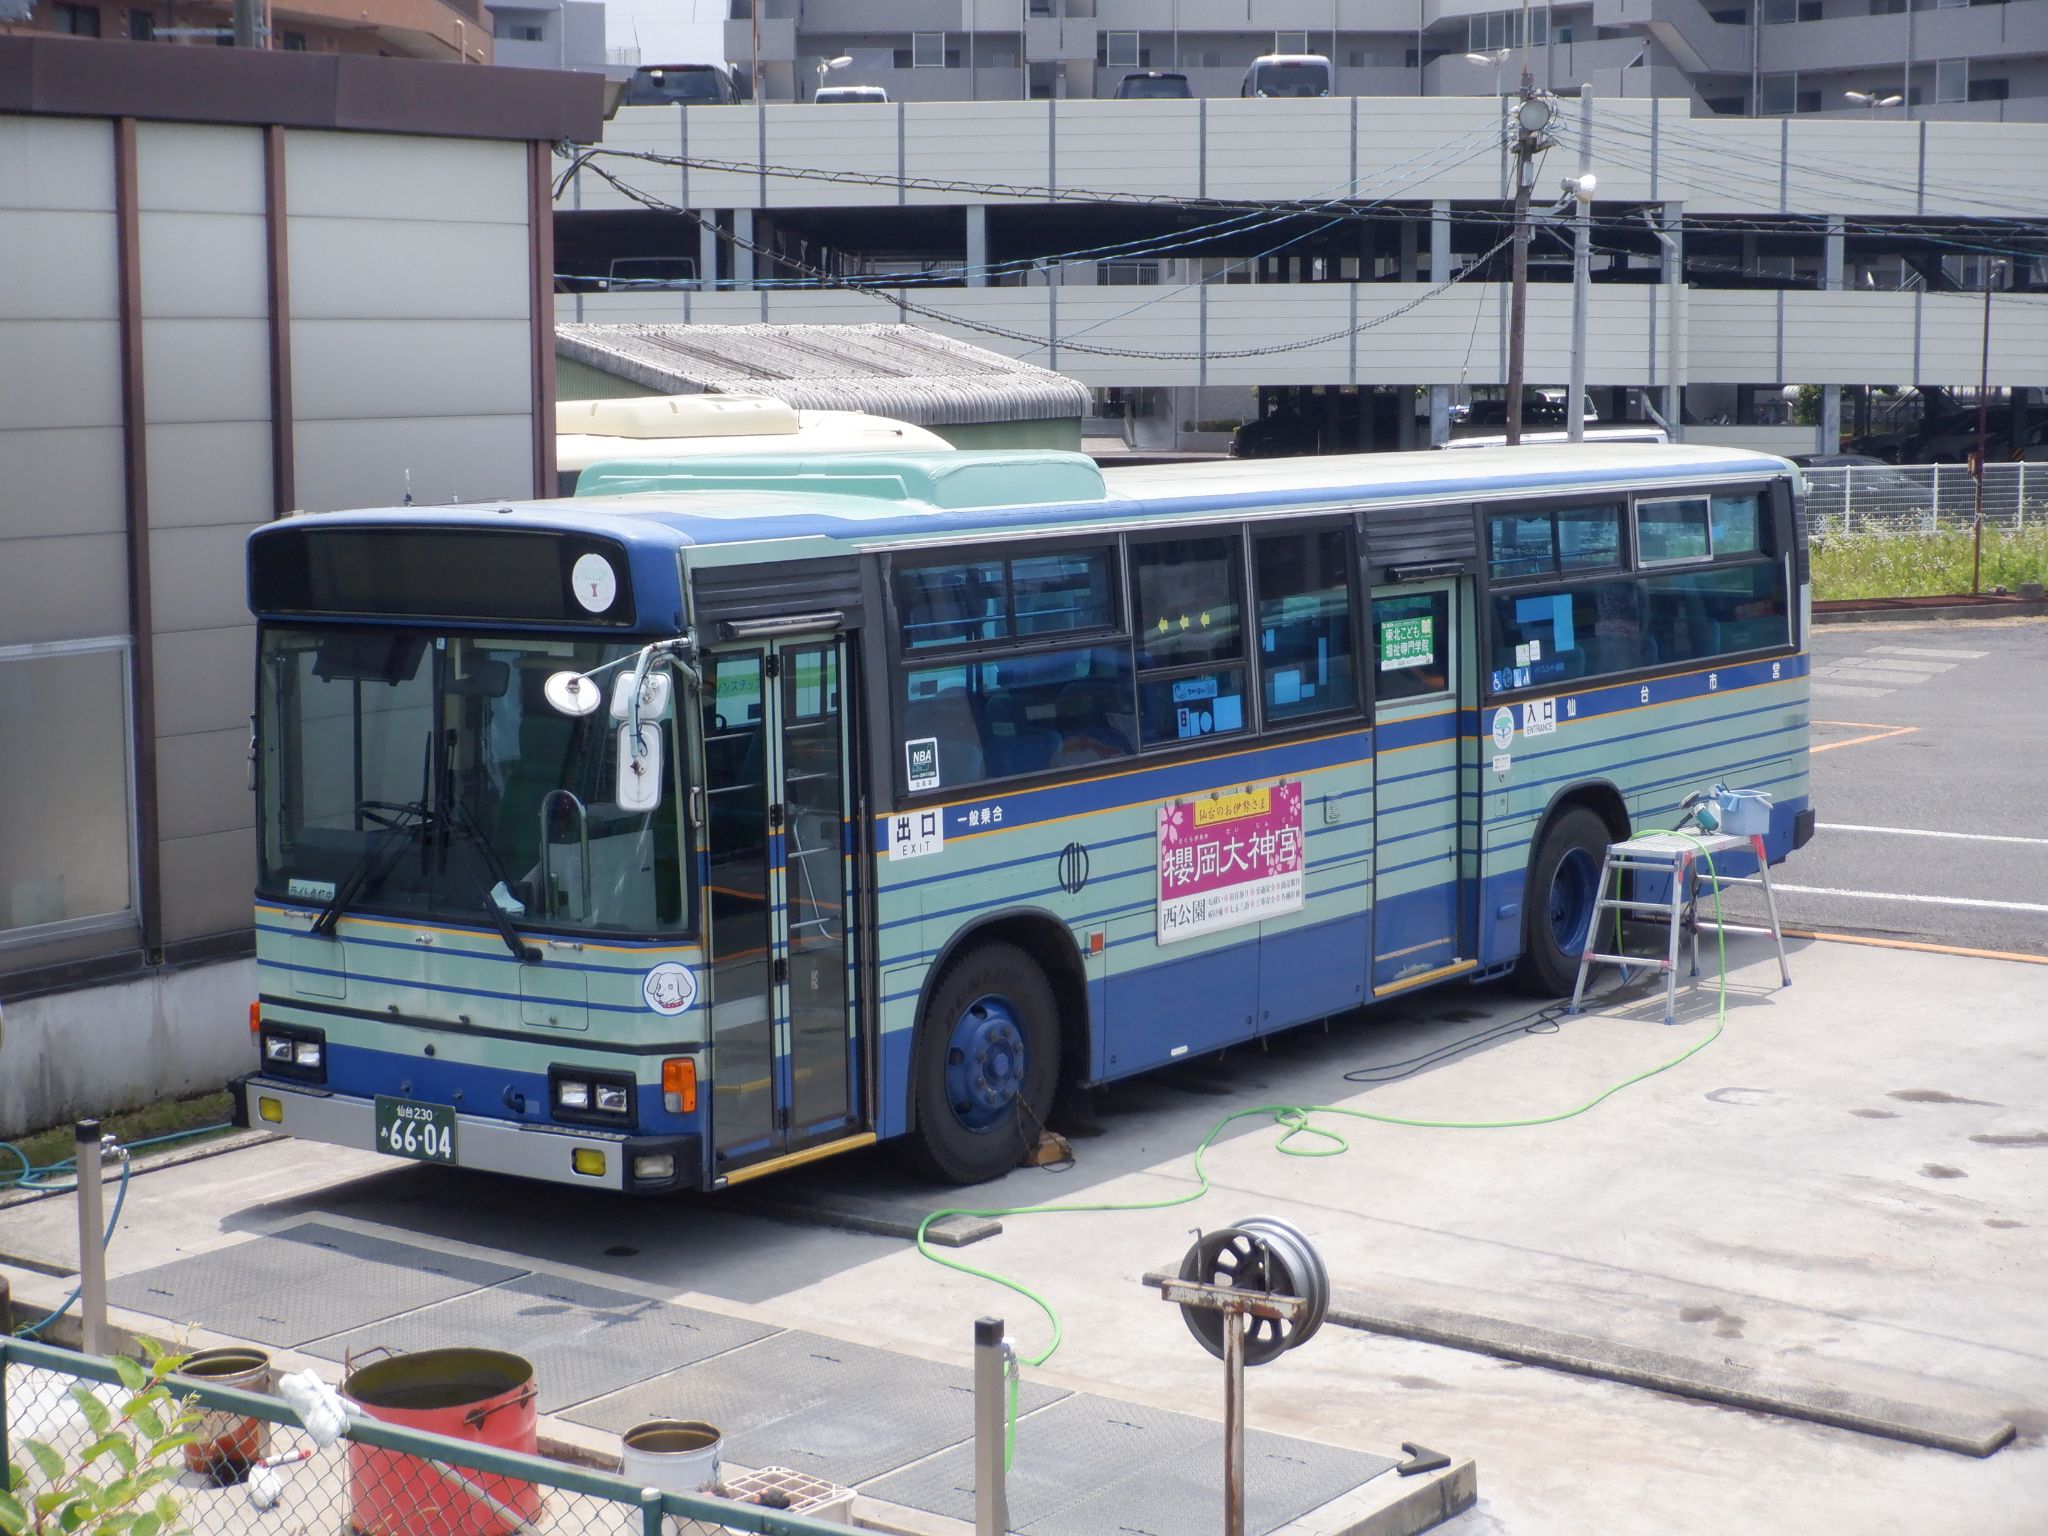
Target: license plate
(425, 1132)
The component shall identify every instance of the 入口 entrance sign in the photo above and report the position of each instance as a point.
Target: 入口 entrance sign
(1228, 860)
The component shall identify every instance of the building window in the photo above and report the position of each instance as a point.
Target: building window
(1887, 7)
(1779, 11)
(1290, 42)
(928, 50)
(1126, 274)
(1503, 29)
(508, 30)
(292, 42)
(141, 27)
(1120, 50)
(1777, 94)
(1952, 80)
(69, 867)
(77, 20)
(1990, 90)
(1044, 8)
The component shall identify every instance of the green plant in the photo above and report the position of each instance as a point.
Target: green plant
(139, 1441)
(1883, 564)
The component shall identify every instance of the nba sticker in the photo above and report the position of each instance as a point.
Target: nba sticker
(1504, 728)
(921, 763)
(669, 988)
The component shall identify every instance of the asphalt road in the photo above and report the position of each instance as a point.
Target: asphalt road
(1930, 777)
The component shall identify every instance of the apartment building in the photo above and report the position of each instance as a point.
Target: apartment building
(456, 31)
(548, 34)
(1942, 59)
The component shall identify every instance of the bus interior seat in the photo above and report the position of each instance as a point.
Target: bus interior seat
(1087, 734)
(546, 743)
(1014, 745)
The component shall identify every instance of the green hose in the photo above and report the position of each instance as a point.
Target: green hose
(1294, 1121)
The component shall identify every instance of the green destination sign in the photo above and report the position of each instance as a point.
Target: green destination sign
(1407, 643)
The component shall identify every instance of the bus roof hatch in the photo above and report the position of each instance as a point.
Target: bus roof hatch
(976, 478)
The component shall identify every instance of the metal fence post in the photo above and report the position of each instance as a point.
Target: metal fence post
(92, 1232)
(650, 1512)
(2019, 511)
(991, 1500)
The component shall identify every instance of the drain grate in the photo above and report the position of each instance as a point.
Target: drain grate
(1088, 1465)
(843, 1412)
(303, 1283)
(583, 1340)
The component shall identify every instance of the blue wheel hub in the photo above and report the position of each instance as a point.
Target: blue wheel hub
(1571, 900)
(985, 1063)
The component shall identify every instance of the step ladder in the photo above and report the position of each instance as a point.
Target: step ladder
(1677, 856)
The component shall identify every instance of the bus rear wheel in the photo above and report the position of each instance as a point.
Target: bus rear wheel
(986, 1065)
(1557, 903)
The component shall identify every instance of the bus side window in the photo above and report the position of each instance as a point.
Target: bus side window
(1304, 598)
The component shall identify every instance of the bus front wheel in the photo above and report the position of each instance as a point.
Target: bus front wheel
(1557, 904)
(986, 1066)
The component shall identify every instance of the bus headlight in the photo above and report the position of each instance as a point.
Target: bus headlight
(294, 1051)
(572, 1095)
(612, 1100)
(600, 1098)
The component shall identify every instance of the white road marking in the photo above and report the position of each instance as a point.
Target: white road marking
(1970, 837)
(1896, 663)
(1926, 650)
(1926, 901)
(1844, 691)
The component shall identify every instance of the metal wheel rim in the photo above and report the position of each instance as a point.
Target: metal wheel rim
(986, 1060)
(1571, 900)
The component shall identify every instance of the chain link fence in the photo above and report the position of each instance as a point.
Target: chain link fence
(250, 1469)
(1922, 498)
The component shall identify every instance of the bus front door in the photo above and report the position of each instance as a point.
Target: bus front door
(781, 892)
(1424, 785)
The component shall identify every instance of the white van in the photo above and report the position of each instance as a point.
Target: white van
(1287, 74)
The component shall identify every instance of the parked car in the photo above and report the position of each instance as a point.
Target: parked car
(1287, 74)
(1153, 85)
(685, 85)
(829, 95)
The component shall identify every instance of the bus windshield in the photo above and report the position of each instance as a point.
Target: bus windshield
(426, 774)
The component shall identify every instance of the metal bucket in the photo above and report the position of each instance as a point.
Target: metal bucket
(674, 1455)
(225, 1443)
(484, 1395)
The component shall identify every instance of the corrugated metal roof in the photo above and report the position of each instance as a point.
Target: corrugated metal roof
(902, 371)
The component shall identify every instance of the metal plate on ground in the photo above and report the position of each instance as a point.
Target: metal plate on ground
(302, 1283)
(1088, 1465)
(845, 1412)
(583, 1340)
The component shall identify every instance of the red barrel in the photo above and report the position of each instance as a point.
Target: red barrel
(484, 1395)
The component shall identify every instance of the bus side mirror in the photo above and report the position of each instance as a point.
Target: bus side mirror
(639, 777)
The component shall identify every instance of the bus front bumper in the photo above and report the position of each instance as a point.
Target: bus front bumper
(482, 1142)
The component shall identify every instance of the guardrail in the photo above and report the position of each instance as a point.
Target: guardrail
(1923, 498)
(378, 1480)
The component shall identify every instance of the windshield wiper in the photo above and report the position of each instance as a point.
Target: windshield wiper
(406, 819)
(460, 819)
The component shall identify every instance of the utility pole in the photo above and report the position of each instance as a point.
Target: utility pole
(1581, 192)
(1983, 434)
(1531, 118)
(248, 24)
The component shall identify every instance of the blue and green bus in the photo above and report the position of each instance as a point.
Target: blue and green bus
(738, 813)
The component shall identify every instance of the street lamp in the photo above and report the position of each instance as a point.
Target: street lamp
(1871, 100)
(826, 66)
(1497, 57)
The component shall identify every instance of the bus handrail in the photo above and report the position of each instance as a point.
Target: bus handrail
(547, 874)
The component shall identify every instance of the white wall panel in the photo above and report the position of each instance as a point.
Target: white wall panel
(198, 168)
(196, 577)
(1952, 339)
(452, 458)
(344, 369)
(56, 162)
(60, 373)
(69, 587)
(57, 265)
(208, 472)
(1126, 148)
(204, 265)
(1992, 170)
(396, 176)
(862, 140)
(206, 370)
(392, 269)
(61, 480)
(1425, 148)
(999, 143)
(715, 133)
(1280, 148)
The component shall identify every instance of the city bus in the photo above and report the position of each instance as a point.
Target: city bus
(741, 812)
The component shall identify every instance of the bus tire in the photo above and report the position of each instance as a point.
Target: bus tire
(985, 1067)
(1557, 903)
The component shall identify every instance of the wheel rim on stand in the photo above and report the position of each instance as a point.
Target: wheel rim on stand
(985, 1063)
